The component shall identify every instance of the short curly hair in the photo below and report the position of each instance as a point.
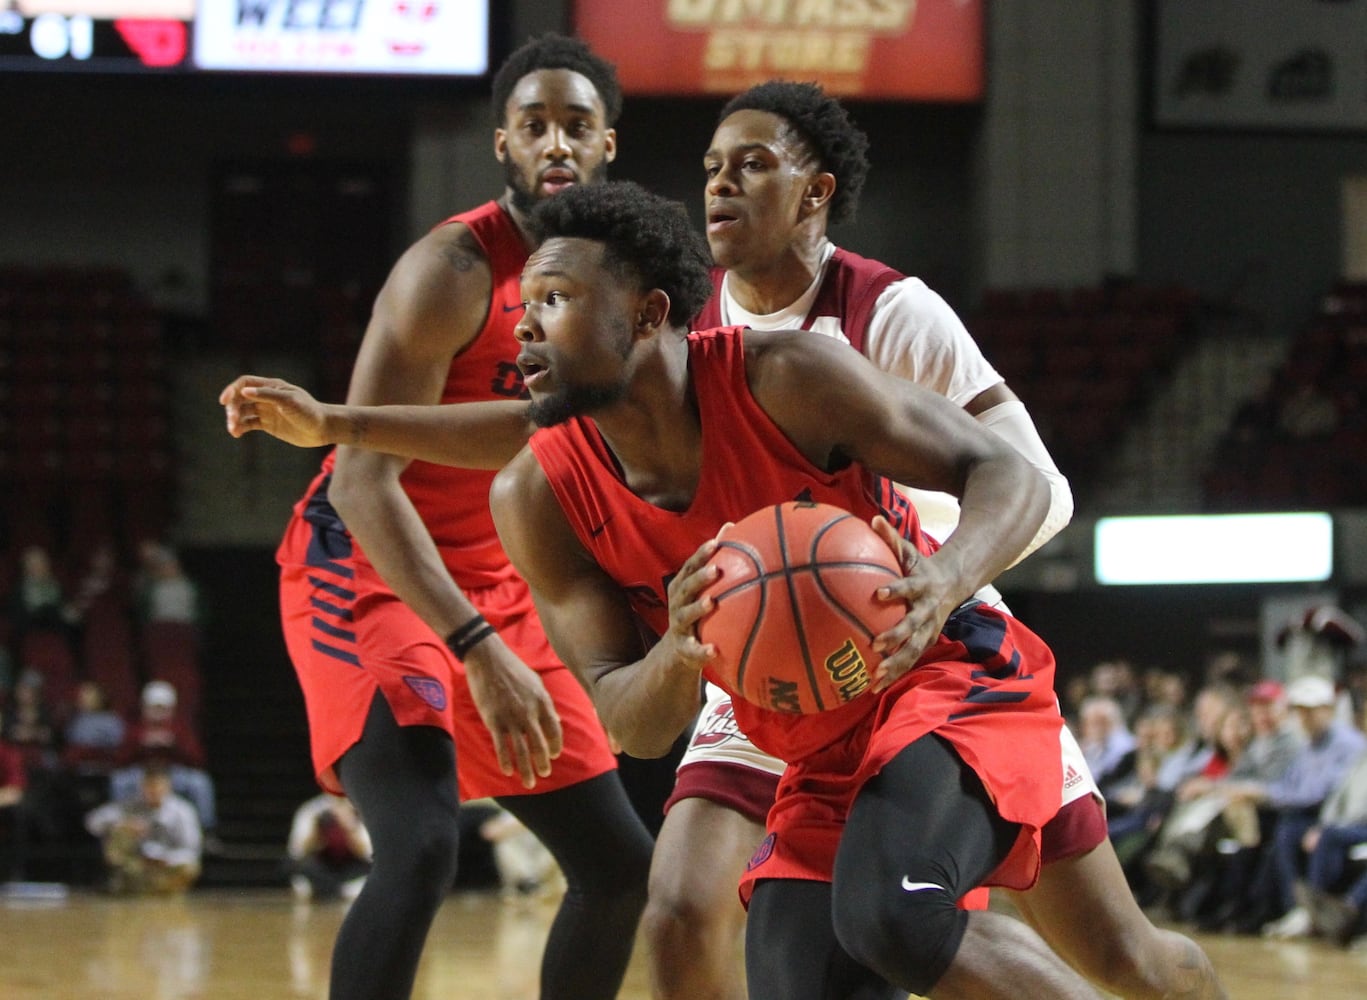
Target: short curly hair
(648, 239)
(840, 146)
(552, 51)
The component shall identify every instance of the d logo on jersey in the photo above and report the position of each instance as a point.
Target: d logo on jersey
(429, 690)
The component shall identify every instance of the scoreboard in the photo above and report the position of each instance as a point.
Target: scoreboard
(374, 37)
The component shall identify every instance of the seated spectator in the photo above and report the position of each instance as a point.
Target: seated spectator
(29, 728)
(151, 841)
(1216, 897)
(159, 735)
(329, 849)
(165, 593)
(1115, 679)
(1135, 806)
(1165, 687)
(94, 736)
(94, 733)
(1321, 765)
(1331, 844)
(1198, 813)
(12, 826)
(1107, 744)
(38, 602)
(101, 580)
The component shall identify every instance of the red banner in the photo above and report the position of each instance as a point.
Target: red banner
(924, 50)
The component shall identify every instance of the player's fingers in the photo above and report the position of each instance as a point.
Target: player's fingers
(523, 756)
(554, 734)
(501, 738)
(538, 750)
(697, 561)
(905, 551)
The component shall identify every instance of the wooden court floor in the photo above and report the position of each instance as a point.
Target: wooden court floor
(260, 945)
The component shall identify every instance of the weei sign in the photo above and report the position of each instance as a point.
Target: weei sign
(923, 50)
(415, 37)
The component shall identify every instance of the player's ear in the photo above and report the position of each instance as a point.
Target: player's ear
(820, 191)
(653, 312)
(501, 144)
(610, 145)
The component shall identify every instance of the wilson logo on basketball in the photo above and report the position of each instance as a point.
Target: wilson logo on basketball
(847, 671)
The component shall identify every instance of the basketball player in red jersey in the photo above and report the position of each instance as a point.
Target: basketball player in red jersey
(892, 807)
(785, 161)
(425, 671)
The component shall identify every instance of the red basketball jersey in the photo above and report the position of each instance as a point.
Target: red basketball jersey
(748, 463)
(454, 503)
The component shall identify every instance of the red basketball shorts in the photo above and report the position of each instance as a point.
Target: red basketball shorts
(349, 636)
(1003, 724)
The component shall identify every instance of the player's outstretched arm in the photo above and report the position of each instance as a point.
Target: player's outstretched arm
(483, 435)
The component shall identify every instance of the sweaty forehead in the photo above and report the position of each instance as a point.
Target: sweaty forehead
(555, 89)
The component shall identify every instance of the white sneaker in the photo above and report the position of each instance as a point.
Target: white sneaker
(1296, 923)
(352, 887)
(301, 887)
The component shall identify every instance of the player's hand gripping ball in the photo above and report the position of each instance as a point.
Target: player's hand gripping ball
(795, 610)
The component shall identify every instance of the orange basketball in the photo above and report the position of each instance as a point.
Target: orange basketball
(795, 609)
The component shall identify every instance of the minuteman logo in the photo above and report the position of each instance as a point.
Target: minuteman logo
(1071, 778)
(718, 728)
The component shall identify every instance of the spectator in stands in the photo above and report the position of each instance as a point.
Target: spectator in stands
(1108, 745)
(1197, 816)
(1116, 679)
(13, 835)
(1165, 687)
(94, 737)
(1136, 804)
(1207, 712)
(1274, 742)
(1226, 867)
(38, 602)
(329, 851)
(100, 581)
(94, 733)
(151, 840)
(1320, 766)
(1330, 845)
(161, 736)
(29, 728)
(165, 593)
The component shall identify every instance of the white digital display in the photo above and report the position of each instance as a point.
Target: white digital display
(1214, 548)
(411, 37)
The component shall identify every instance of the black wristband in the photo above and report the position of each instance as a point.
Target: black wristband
(468, 636)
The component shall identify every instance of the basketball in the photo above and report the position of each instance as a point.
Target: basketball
(795, 611)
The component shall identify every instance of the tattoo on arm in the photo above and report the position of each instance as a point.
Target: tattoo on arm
(464, 253)
(360, 429)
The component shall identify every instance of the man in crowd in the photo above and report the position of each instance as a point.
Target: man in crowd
(152, 840)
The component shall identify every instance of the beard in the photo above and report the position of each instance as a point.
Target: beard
(524, 197)
(583, 398)
(574, 401)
